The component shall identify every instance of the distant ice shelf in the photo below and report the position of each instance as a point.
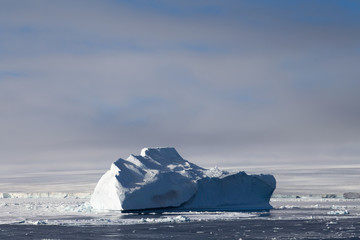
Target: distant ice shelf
(76, 195)
(159, 178)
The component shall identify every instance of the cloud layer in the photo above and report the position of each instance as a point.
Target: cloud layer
(227, 83)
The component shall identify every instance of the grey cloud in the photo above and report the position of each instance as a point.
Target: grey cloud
(277, 91)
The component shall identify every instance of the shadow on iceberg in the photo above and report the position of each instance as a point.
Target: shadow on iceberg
(159, 180)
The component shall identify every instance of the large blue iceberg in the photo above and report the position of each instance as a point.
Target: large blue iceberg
(159, 178)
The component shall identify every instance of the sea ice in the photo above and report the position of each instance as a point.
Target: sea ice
(76, 212)
(339, 212)
(351, 195)
(161, 178)
(176, 219)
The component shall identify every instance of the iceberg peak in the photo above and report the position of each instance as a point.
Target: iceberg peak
(143, 152)
(165, 156)
(159, 150)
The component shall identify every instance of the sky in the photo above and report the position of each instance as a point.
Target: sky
(227, 83)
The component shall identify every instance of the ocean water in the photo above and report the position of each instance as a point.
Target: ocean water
(342, 228)
(56, 217)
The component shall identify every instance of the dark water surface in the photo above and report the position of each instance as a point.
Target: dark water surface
(339, 228)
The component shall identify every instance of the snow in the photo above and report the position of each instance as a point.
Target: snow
(76, 211)
(161, 178)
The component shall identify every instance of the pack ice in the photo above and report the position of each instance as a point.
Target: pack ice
(160, 178)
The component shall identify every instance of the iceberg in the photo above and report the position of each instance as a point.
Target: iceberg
(159, 178)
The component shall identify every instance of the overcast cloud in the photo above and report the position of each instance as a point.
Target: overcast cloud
(231, 83)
